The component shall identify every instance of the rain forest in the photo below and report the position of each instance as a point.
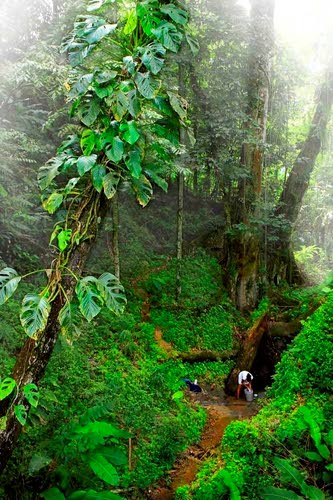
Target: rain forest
(166, 249)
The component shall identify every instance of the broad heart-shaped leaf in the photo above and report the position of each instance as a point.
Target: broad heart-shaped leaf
(85, 163)
(119, 105)
(64, 238)
(89, 297)
(115, 153)
(149, 14)
(97, 174)
(131, 23)
(81, 86)
(53, 202)
(94, 495)
(112, 292)
(178, 15)
(31, 392)
(87, 141)
(105, 76)
(49, 171)
(97, 34)
(104, 470)
(272, 493)
(177, 105)
(53, 494)
(34, 313)
(151, 57)
(146, 85)
(6, 387)
(9, 280)
(142, 190)
(131, 134)
(110, 183)
(113, 454)
(103, 429)
(169, 36)
(133, 163)
(21, 414)
(89, 110)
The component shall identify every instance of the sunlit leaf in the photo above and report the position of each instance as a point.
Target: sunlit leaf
(89, 297)
(89, 110)
(112, 292)
(105, 76)
(131, 134)
(110, 183)
(131, 23)
(146, 86)
(49, 171)
(142, 190)
(34, 314)
(31, 392)
(168, 35)
(104, 470)
(53, 202)
(9, 280)
(115, 153)
(64, 238)
(86, 163)
(151, 57)
(81, 86)
(87, 141)
(6, 387)
(133, 163)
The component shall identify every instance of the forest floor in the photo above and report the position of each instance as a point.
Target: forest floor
(221, 411)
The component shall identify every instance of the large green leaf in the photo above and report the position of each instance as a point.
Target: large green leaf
(81, 86)
(97, 34)
(119, 105)
(193, 44)
(38, 462)
(49, 171)
(97, 174)
(64, 237)
(31, 392)
(53, 202)
(9, 280)
(105, 76)
(115, 153)
(112, 292)
(146, 85)
(130, 132)
(133, 163)
(97, 4)
(87, 141)
(142, 189)
(289, 473)
(104, 470)
(34, 313)
(103, 429)
(168, 35)
(65, 316)
(113, 454)
(110, 183)
(151, 57)
(89, 110)
(272, 493)
(94, 495)
(154, 176)
(53, 494)
(131, 23)
(21, 414)
(6, 387)
(149, 15)
(85, 163)
(178, 15)
(314, 493)
(134, 106)
(89, 298)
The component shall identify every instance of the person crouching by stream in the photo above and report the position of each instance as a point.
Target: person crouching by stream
(244, 381)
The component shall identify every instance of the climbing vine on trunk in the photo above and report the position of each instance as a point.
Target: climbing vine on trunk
(128, 120)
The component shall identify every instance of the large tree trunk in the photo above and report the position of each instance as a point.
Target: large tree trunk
(282, 263)
(115, 236)
(242, 258)
(35, 354)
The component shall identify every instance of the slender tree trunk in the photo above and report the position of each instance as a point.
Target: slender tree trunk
(115, 235)
(35, 354)
(282, 262)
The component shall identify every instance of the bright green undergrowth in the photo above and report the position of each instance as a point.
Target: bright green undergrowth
(286, 450)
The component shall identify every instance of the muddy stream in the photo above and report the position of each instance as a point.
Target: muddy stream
(221, 411)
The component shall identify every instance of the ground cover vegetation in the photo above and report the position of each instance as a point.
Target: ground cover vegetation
(159, 93)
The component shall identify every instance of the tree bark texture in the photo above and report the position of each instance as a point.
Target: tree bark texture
(35, 354)
(115, 236)
(282, 264)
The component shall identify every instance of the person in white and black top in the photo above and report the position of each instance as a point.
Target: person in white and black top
(244, 380)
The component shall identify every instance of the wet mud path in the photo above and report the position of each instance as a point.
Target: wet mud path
(220, 414)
